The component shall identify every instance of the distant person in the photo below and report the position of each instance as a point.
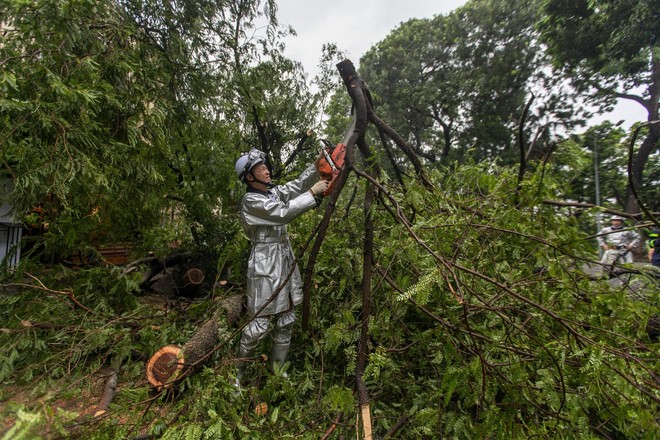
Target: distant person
(617, 242)
(653, 245)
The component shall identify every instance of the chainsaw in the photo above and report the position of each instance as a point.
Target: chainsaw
(332, 162)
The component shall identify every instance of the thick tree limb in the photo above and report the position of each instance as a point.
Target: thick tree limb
(354, 86)
(109, 392)
(403, 145)
(359, 97)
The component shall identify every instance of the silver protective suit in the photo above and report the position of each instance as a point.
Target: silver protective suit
(618, 240)
(264, 216)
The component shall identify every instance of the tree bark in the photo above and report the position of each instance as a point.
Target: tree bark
(639, 161)
(359, 97)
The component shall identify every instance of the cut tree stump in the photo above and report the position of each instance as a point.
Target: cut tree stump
(169, 362)
(193, 276)
(165, 366)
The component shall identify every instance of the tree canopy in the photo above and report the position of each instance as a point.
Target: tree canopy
(459, 83)
(610, 50)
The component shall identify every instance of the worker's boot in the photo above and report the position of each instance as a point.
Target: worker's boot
(281, 337)
(240, 371)
(278, 356)
(252, 335)
(246, 350)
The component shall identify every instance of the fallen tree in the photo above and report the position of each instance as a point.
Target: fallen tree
(171, 362)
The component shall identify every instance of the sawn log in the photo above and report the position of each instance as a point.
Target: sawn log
(169, 362)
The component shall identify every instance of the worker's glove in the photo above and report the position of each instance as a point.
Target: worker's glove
(319, 188)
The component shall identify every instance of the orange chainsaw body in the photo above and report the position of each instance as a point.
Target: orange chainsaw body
(337, 155)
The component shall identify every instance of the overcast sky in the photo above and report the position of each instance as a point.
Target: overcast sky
(355, 26)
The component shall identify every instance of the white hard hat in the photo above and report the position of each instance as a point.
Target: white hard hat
(617, 217)
(247, 161)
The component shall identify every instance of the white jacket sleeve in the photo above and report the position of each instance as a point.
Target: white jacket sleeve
(298, 186)
(260, 210)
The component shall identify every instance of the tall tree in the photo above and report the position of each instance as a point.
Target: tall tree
(114, 111)
(456, 86)
(610, 50)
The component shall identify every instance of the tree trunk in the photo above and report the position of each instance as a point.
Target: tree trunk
(169, 362)
(109, 392)
(649, 145)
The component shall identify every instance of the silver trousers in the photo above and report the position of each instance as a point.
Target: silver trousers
(257, 330)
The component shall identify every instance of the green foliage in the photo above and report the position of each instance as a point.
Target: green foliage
(575, 161)
(81, 114)
(607, 144)
(339, 399)
(499, 331)
(122, 117)
(609, 50)
(25, 422)
(506, 336)
(613, 39)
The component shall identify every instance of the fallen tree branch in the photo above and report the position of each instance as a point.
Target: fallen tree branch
(109, 392)
(46, 289)
(602, 208)
(134, 265)
(403, 145)
(169, 363)
(332, 428)
(398, 425)
(354, 85)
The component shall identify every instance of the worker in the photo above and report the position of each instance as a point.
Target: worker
(617, 242)
(273, 279)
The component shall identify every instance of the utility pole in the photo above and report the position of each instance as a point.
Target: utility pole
(597, 185)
